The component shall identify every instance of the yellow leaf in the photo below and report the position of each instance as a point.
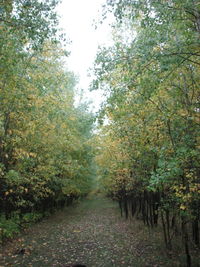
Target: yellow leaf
(182, 207)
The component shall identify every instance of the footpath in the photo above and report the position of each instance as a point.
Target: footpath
(91, 233)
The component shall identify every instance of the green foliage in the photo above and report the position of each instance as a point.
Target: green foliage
(13, 177)
(31, 217)
(46, 159)
(8, 228)
(150, 153)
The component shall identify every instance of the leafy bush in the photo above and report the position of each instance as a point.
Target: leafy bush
(8, 227)
(32, 217)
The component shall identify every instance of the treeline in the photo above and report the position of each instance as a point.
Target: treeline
(45, 155)
(149, 147)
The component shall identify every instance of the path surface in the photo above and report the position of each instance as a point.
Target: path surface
(91, 233)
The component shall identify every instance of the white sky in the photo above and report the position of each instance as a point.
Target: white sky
(77, 17)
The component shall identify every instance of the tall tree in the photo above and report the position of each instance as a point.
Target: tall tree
(151, 76)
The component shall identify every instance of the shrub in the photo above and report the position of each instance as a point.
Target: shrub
(32, 217)
(8, 227)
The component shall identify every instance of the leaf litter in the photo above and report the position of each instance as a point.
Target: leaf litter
(91, 233)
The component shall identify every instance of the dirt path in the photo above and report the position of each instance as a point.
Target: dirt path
(91, 233)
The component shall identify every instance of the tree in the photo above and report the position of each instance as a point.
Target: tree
(46, 160)
(151, 79)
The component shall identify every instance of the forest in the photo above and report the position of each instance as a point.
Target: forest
(149, 157)
(142, 149)
(45, 153)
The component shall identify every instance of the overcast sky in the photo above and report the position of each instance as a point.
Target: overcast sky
(77, 20)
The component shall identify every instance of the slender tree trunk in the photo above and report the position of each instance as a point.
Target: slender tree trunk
(164, 229)
(195, 227)
(186, 243)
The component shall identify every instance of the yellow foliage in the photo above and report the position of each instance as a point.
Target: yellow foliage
(182, 207)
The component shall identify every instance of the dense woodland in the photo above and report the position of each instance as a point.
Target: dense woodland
(146, 147)
(45, 153)
(149, 146)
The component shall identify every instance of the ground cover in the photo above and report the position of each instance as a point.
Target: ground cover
(91, 232)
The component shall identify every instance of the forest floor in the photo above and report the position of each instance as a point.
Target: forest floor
(91, 232)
